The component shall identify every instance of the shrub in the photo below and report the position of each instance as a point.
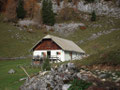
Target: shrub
(48, 16)
(31, 7)
(79, 85)
(93, 17)
(10, 12)
(105, 57)
(46, 65)
(111, 57)
(89, 1)
(69, 0)
(1, 17)
(68, 14)
(20, 10)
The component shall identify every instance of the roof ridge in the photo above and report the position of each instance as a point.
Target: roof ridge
(65, 44)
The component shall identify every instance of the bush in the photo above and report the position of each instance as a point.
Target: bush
(93, 17)
(69, 0)
(79, 85)
(31, 7)
(111, 57)
(46, 65)
(10, 12)
(106, 57)
(48, 16)
(89, 1)
(1, 17)
(68, 14)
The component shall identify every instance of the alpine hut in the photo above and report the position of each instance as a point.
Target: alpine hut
(55, 48)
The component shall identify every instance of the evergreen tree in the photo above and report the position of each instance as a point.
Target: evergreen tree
(46, 65)
(48, 16)
(93, 17)
(20, 9)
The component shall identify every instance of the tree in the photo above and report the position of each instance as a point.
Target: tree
(93, 17)
(20, 10)
(58, 2)
(48, 16)
(10, 12)
(31, 7)
(3, 5)
(46, 65)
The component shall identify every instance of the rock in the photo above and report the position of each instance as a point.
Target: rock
(100, 7)
(96, 35)
(66, 86)
(22, 79)
(59, 77)
(102, 76)
(71, 65)
(118, 3)
(103, 80)
(54, 79)
(26, 23)
(95, 88)
(118, 80)
(65, 28)
(11, 71)
(79, 75)
(83, 77)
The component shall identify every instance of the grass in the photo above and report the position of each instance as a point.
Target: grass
(11, 81)
(109, 57)
(79, 85)
(101, 43)
(12, 46)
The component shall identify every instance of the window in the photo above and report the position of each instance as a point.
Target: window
(43, 53)
(58, 53)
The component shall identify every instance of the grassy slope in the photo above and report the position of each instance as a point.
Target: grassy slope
(11, 81)
(103, 41)
(11, 47)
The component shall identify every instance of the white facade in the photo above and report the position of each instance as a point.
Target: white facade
(73, 55)
(68, 49)
(53, 53)
(63, 55)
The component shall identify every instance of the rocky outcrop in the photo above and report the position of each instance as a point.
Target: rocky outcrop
(65, 28)
(55, 79)
(59, 79)
(101, 8)
(98, 34)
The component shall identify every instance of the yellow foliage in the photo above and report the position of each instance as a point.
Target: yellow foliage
(31, 7)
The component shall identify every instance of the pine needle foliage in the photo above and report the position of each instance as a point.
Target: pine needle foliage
(46, 65)
(20, 10)
(93, 17)
(79, 85)
(48, 16)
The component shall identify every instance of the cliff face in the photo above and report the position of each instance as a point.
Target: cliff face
(100, 7)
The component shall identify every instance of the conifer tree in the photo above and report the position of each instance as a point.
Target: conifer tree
(20, 9)
(48, 16)
(46, 65)
(93, 17)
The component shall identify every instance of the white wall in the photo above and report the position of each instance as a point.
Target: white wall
(67, 56)
(64, 56)
(53, 53)
(75, 55)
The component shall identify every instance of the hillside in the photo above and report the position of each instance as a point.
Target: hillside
(17, 43)
(100, 39)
